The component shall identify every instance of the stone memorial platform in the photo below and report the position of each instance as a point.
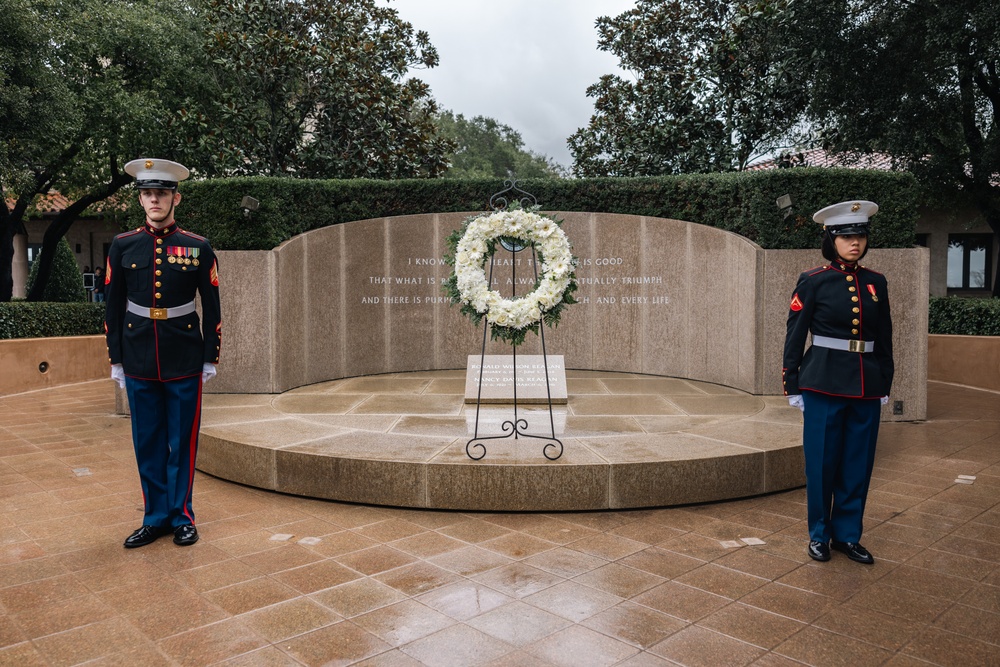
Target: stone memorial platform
(399, 439)
(335, 379)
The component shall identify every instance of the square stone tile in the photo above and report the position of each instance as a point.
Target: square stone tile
(249, 595)
(572, 601)
(684, 602)
(518, 580)
(474, 531)
(316, 576)
(358, 597)
(698, 646)
(607, 546)
(402, 622)
(635, 624)
(565, 562)
(721, 581)
(340, 643)
(289, 619)
(620, 580)
(901, 603)
(788, 601)
(375, 559)
(662, 563)
(341, 543)
(752, 625)
(456, 646)
(389, 530)
(211, 643)
(519, 624)
(427, 544)
(417, 578)
(54, 617)
(287, 557)
(463, 600)
(813, 645)
(469, 560)
(517, 545)
(577, 646)
(945, 648)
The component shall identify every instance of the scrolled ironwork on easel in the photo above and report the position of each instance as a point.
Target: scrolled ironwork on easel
(517, 426)
(499, 202)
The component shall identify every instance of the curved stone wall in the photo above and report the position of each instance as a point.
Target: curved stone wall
(659, 297)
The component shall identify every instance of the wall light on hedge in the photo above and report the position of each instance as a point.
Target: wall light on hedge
(784, 204)
(249, 204)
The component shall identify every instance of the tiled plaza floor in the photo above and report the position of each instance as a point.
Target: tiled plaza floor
(280, 580)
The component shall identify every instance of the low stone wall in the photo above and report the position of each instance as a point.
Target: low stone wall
(973, 361)
(41, 363)
(657, 297)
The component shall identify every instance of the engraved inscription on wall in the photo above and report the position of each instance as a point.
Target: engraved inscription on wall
(611, 281)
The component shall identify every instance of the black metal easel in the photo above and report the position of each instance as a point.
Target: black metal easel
(515, 428)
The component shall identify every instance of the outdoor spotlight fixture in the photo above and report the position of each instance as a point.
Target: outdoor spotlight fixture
(248, 205)
(784, 203)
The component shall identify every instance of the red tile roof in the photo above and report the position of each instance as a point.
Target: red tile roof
(817, 157)
(53, 202)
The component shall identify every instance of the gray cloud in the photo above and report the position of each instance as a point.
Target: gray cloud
(525, 63)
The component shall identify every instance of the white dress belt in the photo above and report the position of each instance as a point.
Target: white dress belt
(160, 313)
(844, 344)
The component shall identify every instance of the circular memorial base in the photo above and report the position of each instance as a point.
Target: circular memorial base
(629, 441)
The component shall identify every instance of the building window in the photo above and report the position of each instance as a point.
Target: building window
(969, 261)
(34, 250)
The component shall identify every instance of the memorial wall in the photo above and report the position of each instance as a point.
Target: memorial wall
(656, 296)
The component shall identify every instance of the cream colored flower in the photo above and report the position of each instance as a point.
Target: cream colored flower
(553, 250)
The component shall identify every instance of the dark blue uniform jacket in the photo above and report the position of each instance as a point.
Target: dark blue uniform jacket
(845, 302)
(162, 269)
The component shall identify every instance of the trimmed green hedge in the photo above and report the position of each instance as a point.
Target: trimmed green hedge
(965, 317)
(739, 202)
(23, 319)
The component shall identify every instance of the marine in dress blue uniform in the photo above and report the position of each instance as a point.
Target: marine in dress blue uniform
(842, 380)
(161, 351)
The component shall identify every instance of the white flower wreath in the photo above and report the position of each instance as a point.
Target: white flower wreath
(468, 284)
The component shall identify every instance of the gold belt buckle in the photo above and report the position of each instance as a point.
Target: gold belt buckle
(856, 346)
(161, 314)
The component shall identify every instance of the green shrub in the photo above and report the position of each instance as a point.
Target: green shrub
(739, 202)
(964, 316)
(65, 283)
(28, 319)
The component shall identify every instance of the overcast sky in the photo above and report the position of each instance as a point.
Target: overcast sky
(526, 63)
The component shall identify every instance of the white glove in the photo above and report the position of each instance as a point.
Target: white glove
(118, 374)
(796, 402)
(207, 372)
(884, 400)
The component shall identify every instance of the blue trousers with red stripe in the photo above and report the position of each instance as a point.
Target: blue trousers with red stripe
(166, 417)
(839, 437)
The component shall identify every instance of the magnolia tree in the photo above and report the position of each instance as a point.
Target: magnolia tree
(302, 88)
(317, 89)
(710, 86)
(917, 80)
(85, 86)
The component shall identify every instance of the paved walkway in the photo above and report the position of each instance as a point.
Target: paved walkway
(281, 580)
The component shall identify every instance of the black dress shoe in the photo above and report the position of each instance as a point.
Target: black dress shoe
(819, 551)
(145, 535)
(185, 535)
(855, 552)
